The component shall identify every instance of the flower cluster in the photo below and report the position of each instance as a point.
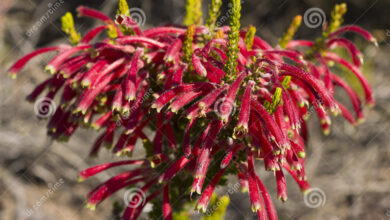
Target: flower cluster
(249, 100)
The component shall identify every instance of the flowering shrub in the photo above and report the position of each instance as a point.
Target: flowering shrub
(217, 98)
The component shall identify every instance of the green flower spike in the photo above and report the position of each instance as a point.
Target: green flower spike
(68, 27)
(233, 36)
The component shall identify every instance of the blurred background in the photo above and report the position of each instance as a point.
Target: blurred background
(38, 178)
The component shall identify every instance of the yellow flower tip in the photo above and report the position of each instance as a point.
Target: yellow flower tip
(91, 206)
(189, 117)
(76, 111)
(116, 109)
(293, 126)
(301, 104)
(224, 119)
(371, 105)
(174, 110)
(375, 42)
(85, 83)
(122, 152)
(244, 189)
(335, 110)
(152, 164)
(160, 179)
(290, 134)
(283, 199)
(301, 154)
(12, 75)
(119, 154)
(50, 69)
(255, 207)
(80, 179)
(361, 59)
(305, 191)
(325, 121)
(239, 131)
(201, 208)
(360, 120)
(160, 77)
(192, 191)
(108, 146)
(326, 131)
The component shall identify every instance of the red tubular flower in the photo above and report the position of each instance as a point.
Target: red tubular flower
(198, 66)
(85, 174)
(228, 157)
(242, 125)
(89, 12)
(140, 39)
(129, 83)
(356, 102)
(173, 169)
(183, 100)
(203, 160)
(271, 124)
(271, 212)
(254, 193)
(167, 209)
(228, 101)
(167, 96)
(206, 194)
(358, 74)
(204, 104)
(357, 57)
(172, 53)
(114, 84)
(353, 28)
(91, 75)
(281, 185)
(112, 185)
(54, 64)
(22, 61)
(153, 32)
(92, 34)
